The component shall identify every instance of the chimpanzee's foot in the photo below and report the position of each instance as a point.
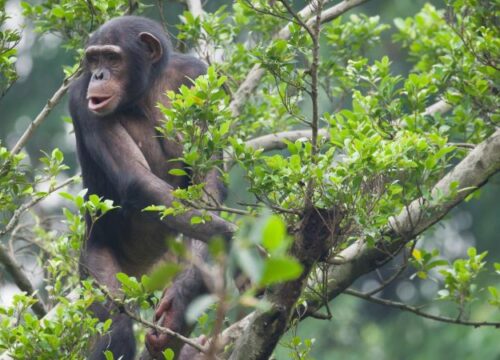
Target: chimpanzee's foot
(190, 353)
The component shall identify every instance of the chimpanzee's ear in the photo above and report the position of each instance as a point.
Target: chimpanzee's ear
(154, 46)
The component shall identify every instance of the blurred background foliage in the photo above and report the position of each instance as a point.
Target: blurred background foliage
(359, 330)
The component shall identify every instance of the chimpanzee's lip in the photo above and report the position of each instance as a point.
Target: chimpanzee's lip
(97, 103)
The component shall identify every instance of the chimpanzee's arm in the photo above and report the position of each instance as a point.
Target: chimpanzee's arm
(119, 157)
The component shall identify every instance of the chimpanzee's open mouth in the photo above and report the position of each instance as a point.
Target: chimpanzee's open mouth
(96, 103)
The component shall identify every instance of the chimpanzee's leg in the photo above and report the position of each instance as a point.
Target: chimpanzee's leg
(172, 308)
(101, 264)
(119, 340)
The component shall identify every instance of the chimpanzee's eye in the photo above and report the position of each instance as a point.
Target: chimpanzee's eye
(112, 57)
(91, 58)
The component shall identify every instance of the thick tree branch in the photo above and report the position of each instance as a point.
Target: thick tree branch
(276, 141)
(439, 107)
(416, 310)
(21, 280)
(335, 11)
(470, 174)
(195, 8)
(317, 232)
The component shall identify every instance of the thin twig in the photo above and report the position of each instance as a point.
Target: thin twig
(298, 19)
(10, 263)
(387, 282)
(160, 329)
(253, 78)
(216, 208)
(463, 145)
(51, 103)
(419, 312)
(17, 214)
(319, 316)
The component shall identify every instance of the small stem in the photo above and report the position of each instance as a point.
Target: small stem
(51, 103)
(419, 312)
(315, 36)
(17, 214)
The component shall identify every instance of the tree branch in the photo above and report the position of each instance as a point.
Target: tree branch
(315, 234)
(10, 263)
(21, 280)
(276, 141)
(358, 259)
(439, 107)
(253, 78)
(470, 174)
(416, 310)
(20, 211)
(51, 103)
(205, 48)
(191, 342)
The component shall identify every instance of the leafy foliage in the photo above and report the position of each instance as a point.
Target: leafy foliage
(377, 151)
(9, 39)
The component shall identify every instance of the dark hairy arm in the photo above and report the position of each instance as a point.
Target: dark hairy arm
(123, 163)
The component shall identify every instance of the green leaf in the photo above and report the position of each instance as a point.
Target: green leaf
(129, 284)
(178, 172)
(94, 199)
(422, 274)
(436, 263)
(273, 233)
(196, 220)
(168, 354)
(217, 247)
(106, 325)
(58, 12)
(66, 195)
(497, 268)
(280, 269)
(108, 355)
(160, 277)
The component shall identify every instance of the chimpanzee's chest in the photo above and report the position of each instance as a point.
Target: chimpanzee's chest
(158, 152)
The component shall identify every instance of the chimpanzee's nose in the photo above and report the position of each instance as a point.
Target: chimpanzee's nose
(101, 74)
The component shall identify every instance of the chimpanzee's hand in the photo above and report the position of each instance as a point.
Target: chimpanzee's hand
(170, 314)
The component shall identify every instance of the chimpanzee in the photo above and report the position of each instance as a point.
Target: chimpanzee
(128, 66)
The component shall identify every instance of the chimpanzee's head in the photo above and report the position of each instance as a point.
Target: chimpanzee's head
(123, 59)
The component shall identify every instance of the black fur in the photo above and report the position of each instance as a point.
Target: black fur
(124, 160)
